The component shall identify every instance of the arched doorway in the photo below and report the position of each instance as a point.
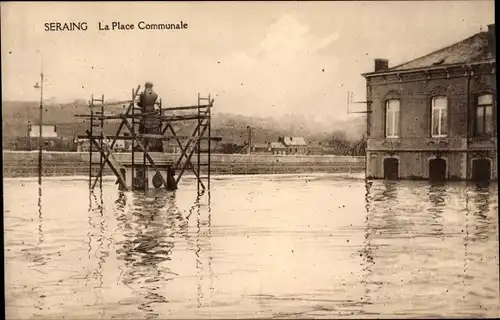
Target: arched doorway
(437, 169)
(391, 168)
(481, 169)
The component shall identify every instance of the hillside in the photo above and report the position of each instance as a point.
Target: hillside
(232, 127)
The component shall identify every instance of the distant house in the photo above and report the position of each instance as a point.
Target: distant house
(48, 131)
(119, 145)
(172, 146)
(51, 139)
(277, 148)
(261, 148)
(83, 145)
(315, 149)
(294, 145)
(171, 149)
(229, 147)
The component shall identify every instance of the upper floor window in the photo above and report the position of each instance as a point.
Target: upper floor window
(439, 117)
(392, 118)
(484, 115)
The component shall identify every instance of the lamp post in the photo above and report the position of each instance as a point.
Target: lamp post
(249, 139)
(40, 117)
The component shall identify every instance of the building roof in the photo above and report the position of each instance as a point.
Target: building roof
(476, 49)
(294, 141)
(471, 50)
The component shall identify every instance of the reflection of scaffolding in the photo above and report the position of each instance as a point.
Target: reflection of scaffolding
(143, 167)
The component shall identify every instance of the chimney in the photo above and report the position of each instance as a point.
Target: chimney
(492, 39)
(381, 65)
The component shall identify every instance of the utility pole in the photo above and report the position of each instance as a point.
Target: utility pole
(40, 117)
(40, 139)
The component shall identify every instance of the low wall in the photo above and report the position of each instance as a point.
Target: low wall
(25, 163)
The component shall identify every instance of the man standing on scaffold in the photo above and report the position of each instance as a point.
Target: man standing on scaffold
(150, 123)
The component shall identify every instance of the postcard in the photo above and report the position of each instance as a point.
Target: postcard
(250, 159)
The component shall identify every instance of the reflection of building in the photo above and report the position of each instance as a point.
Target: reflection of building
(408, 227)
(435, 117)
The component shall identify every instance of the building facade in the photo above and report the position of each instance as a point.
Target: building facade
(262, 148)
(278, 148)
(48, 131)
(435, 117)
(294, 145)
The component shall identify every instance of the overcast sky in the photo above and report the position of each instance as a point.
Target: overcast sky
(260, 58)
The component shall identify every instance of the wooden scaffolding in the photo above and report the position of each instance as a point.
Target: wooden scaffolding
(139, 155)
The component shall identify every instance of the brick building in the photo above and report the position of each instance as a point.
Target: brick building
(435, 117)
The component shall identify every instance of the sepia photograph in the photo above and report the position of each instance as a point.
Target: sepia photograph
(250, 160)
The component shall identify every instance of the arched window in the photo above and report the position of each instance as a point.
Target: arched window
(392, 118)
(484, 115)
(439, 120)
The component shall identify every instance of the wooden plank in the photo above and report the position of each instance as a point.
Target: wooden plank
(112, 144)
(190, 155)
(119, 116)
(183, 152)
(186, 107)
(163, 118)
(117, 173)
(186, 147)
(154, 136)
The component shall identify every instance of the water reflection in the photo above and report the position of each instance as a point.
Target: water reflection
(151, 231)
(397, 249)
(368, 250)
(38, 257)
(381, 223)
(103, 250)
(481, 229)
(200, 245)
(40, 217)
(39, 260)
(92, 272)
(209, 245)
(410, 246)
(147, 248)
(481, 206)
(436, 194)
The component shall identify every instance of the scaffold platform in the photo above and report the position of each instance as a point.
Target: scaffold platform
(146, 165)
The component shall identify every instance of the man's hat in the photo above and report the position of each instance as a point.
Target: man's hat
(149, 84)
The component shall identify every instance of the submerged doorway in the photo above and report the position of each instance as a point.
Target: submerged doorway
(481, 169)
(391, 169)
(437, 169)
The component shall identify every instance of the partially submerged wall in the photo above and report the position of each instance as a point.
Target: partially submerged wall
(25, 164)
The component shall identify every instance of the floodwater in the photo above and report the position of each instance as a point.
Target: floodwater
(307, 246)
